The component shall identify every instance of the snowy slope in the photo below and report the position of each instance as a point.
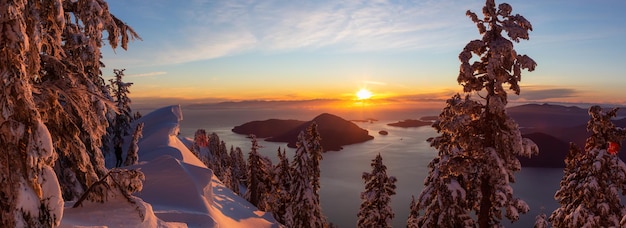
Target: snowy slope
(179, 190)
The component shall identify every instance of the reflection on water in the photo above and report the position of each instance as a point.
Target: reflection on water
(405, 152)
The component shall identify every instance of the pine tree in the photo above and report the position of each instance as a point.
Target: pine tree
(306, 210)
(375, 210)
(478, 143)
(237, 157)
(51, 104)
(225, 162)
(413, 214)
(258, 177)
(230, 181)
(232, 172)
(120, 91)
(541, 221)
(217, 159)
(280, 196)
(132, 155)
(124, 116)
(237, 169)
(593, 180)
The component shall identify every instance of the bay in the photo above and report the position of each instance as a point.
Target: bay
(405, 152)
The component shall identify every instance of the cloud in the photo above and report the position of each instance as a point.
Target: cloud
(213, 29)
(149, 74)
(528, 94)
(544, 93)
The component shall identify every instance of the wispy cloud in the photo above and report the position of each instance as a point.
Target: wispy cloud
(215, 29)
(374, 83)
(545, 93)
(149, 74)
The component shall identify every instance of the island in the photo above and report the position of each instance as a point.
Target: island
(410, 123)
(368, 120)
(334, 131)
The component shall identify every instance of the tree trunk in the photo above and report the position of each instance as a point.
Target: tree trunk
(484, 217)
(485, 203)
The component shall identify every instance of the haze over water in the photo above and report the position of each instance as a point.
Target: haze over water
(405, 152)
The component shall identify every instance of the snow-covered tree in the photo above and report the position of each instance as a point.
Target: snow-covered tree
(305, 210)
(413, 214)
(123, 116)
(132, 155)
(479, 142)
(541, 221)
(258, 177)
(238, 165)
(593, 180)
(280, 196)
(230, 181)
(52, 111)
(219, 160)
(120, 91)
(375, 210)
(136, 116)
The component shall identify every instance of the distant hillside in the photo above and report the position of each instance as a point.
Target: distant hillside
(552, 127)
(552, 151)
(547, 115)
(335, 131)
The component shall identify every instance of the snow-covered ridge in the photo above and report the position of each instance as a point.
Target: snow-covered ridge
(178, 191)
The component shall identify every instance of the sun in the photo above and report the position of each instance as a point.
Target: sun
(363, 94)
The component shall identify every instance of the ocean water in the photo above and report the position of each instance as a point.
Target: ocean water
(405, 152)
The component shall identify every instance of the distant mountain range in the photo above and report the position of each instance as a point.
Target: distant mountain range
(552, 127)
(336, 132)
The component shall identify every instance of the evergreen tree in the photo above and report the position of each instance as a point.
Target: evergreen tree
(124, 116)
(258, 177)
(230, 181)
(375, 209)
(413, 214)
(237, 168)
(225, 162)
(136, 116)
(51, 104)
(306, 210)
(280, 196)
(239, 165)
(120, 91)
(217, 159)
(478, 143)
(593, 180)
(541, 221)
(132, 155)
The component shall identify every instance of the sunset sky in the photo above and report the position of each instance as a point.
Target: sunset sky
(403, 50)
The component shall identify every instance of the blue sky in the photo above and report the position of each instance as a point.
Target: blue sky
(405, 50)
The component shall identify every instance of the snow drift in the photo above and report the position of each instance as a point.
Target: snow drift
(179, 190)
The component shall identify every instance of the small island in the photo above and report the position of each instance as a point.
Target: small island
(368, 120)
(410, 123)
(335, 131)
